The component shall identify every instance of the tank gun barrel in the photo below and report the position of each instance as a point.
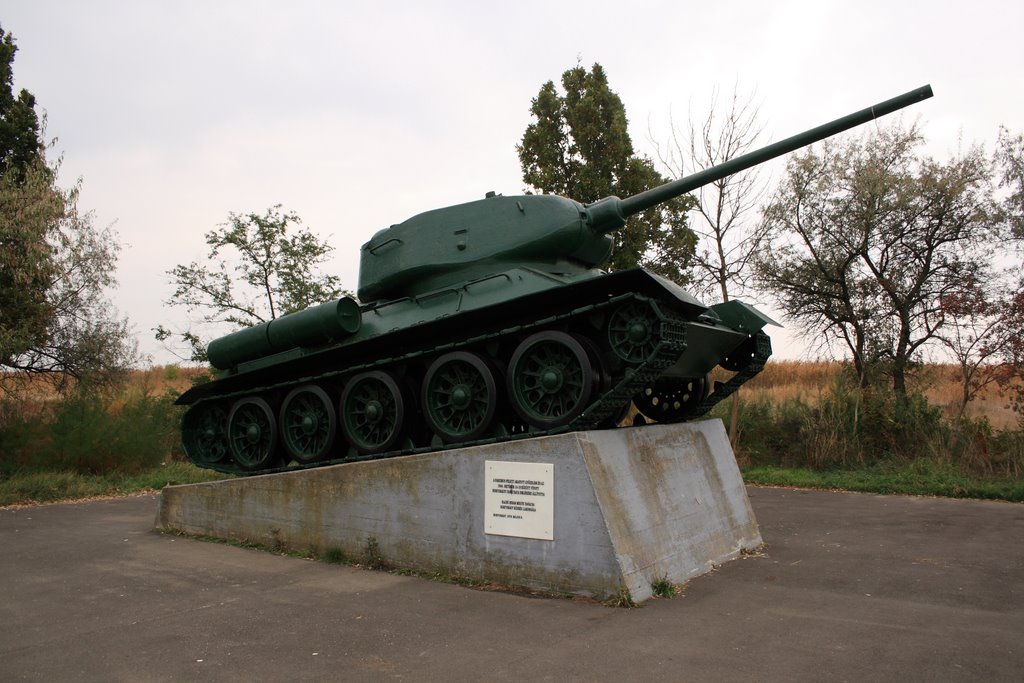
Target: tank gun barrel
(603, 212)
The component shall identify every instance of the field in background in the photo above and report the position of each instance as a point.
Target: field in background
(807, 381)
(780, 381)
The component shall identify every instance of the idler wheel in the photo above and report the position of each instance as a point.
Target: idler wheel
(459, 397)
(671, 399)
(204, 433)
(550, 379)
(252, 433)
(372, 412)
(308, 424)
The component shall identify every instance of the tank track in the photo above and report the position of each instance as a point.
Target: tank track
(602, 412)
(747, 363)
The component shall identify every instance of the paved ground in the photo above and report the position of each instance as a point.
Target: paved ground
(851, 587)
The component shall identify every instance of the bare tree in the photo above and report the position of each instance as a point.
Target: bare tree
(725, 218)
(728, 230)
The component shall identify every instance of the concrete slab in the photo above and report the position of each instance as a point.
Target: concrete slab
(631, 506)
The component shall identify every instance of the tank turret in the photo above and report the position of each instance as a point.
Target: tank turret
(444, 246)
(485, 321)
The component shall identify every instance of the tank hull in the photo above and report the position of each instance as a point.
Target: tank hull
(478, 366)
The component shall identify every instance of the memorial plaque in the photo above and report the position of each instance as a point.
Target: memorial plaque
(519, 499)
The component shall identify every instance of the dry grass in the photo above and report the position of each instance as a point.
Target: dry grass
(940, 384)
(36, 391)
(163, 378)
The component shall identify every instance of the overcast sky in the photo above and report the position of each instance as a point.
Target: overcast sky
(360, 115)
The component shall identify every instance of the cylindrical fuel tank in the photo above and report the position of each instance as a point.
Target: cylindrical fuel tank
(314, 326)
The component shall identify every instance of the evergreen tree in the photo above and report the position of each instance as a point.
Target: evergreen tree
(28, 206)
(579, 147)
(21, 144)
(55, 265)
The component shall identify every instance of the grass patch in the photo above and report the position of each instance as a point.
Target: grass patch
(48, 487)
(918, 477)
(334, 555)
(663, 588)
(372, 556)
(620, 599)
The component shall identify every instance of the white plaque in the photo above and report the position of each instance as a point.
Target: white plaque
(519, 499)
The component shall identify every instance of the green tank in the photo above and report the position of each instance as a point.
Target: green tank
(482, 322)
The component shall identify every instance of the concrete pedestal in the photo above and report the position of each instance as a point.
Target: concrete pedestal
(631, 506)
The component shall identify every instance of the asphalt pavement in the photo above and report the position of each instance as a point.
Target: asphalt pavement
(850, 587)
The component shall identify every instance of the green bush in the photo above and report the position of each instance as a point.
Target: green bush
(22, 429)
(46, 486)
(851, 428)
(89, 433)
(772, 434)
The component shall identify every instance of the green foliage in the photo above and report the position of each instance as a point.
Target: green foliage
(1010, 328)
(44, 487)
(334, 555)
(169, 473)
(89, 433)
(48, 486)
(28, 207)
(663, 588)
(853, 430)
(1010, 166)
(91, 436)
(579, 147)
(769, 433)
(872, 237)
(916, 477)
(259, 267)
(21, 143)
(55, 265)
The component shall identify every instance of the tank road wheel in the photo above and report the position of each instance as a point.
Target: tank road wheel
(204, 434)
(550, 379)
(308, 424)
(633, 331)
(372, 412)
(459, 397)
(671, 399)
(252, 433)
